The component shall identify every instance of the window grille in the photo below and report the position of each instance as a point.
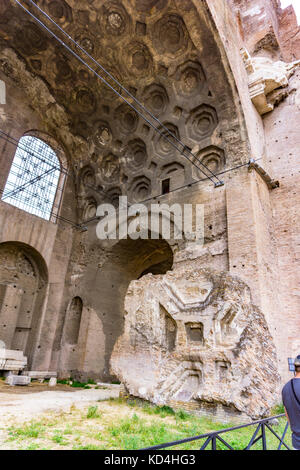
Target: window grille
(33, 180)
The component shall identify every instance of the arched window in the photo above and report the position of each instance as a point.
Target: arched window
(33, 180)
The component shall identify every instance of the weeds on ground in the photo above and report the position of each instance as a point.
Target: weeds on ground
(88, 447)
(77, 384)
(58, 438)
(93, 412)
(278, 409)
(116, 424)
(34, 429)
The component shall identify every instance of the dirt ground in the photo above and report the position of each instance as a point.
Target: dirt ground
(22, 403)
(38, 417)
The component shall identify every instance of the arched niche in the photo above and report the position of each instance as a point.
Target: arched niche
(23, 284)
(105, 287)
(73, 320)
(71, 341)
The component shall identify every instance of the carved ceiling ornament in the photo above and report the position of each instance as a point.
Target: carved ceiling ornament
(139, 60)
(127, 119)
(90, 208)
(212, 157)
(170, 35)
(84, 76)
(135, 154)
(87, 40)
(114, 19)
(171, 168)
(83, 100)
(202, 122)
(106, 35)
(113, 195)
(150, 5)
(59, 10)
(29, 39)
(59, 69)
(88, 176)
(102, 134)
(156, 98)
(104, 91)
(110, 168)
(163, 141)
(190, 79)
(140, 188)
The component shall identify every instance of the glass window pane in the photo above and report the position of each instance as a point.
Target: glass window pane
(33, 179)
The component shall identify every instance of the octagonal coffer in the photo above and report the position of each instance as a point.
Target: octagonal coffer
(156, 99)
(164, 142)
(140, 188)
(170, 36)
(202, 122)
(135, 155)
(190, 79)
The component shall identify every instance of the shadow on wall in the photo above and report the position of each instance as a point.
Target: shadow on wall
(23, 283)
(93, 324)
(129, 260)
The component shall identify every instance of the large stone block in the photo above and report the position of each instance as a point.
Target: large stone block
(40, 374)
(194, 336)
(17, 380)
(52, 382)
(12, 360)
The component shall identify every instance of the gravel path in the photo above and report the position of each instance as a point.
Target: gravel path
(20, 407)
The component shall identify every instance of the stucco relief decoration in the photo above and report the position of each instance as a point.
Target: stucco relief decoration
(264, 77)
(201, 341)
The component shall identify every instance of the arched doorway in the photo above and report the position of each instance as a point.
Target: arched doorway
(23, 282)
(105, 287)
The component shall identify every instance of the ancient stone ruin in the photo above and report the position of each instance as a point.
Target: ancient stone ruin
(211, 118)
(200, 340)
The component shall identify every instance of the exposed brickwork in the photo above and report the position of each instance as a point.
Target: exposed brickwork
(182, 59)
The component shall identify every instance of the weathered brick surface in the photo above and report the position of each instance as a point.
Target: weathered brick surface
(182, 60)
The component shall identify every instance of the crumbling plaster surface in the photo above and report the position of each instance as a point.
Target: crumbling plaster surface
(268, 80)
(283, 142)
(200, 339)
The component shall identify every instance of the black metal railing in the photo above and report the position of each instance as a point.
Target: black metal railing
(212, 438)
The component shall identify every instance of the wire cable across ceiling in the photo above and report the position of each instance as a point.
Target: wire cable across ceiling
(13, 141)
(179, 145)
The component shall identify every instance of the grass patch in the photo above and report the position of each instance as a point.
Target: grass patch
(278, 409)
(88, 447)
(161, 411)
(32, 446)
(59, 438)
(182, 415)
(76, 383)
(93, 412)
(127, 426)
(133, 432)
(32, 430)
(63, 381)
